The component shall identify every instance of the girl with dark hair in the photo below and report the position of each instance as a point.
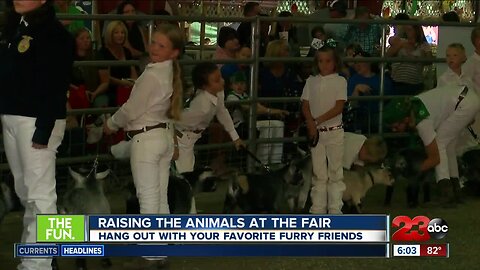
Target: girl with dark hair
(207, 102)
(136, 34)
(323, 100)
(286, 30)
(228, 44)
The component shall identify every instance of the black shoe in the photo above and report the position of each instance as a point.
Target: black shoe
(412, 196)
(426, 192)
(457, 192)
(54, 264)
(447, 199)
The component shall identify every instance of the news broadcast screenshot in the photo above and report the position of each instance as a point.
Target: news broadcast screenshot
(238, 135)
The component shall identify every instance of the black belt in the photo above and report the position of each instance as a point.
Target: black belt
(131, 133)
(180, 134)
(461, 96)
(325, 129)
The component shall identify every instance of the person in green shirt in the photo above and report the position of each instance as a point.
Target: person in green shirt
(438, 115)
(69, 7)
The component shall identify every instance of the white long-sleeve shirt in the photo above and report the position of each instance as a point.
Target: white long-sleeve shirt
(472, 70)
(449, 77)
(201, 111)
(149, 101)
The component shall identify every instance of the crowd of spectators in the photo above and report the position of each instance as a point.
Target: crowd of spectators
(128, 40)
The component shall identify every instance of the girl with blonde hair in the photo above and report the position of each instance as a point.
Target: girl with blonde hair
(155, 101)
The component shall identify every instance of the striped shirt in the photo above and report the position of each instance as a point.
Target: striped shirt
(408, 72)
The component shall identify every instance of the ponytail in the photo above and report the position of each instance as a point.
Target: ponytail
(177, 37)
(176, 100)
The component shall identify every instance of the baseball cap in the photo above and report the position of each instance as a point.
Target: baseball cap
(396, 110)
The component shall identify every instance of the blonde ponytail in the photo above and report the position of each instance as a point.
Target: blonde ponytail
(177, 96)
(177, 37)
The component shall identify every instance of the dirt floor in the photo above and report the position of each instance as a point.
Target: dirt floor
(463, 239)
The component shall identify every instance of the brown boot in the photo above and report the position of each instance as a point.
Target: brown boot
(457, 192)
(446, 197)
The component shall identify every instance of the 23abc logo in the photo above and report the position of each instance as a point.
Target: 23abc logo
(436, 228)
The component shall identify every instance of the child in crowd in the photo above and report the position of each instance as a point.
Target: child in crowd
(466, 75)
(228, 70)
(366, 82)
(237, 92)
(348, 69)
(318, 34)
(455, 59)
(323, 100)
(207, 102)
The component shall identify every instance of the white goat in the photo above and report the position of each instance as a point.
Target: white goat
(359, 181)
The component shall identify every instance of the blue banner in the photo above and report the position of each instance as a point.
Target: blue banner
(304, 250)
(82, 251)
(314, 222)
(36, 250)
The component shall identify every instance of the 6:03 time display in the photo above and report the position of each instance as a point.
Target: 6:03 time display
(406, 250)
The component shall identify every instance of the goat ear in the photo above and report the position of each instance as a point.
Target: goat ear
(102, 175)
(76, 176)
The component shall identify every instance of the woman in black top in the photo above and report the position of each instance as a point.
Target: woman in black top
(88, 77)
(136, 34)
(121, 77)
(36, 55)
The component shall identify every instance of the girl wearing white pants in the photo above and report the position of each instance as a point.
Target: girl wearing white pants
(36, 55)
(323, 99)
(207, 103)
(439, 115)
(155, 99)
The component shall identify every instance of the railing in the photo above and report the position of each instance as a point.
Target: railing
(254, 64)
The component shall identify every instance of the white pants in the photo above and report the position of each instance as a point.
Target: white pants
(34, 174)
(327, 180)
(465, 141)
(150, 159)
(186, 156)
(448, 132)
(270, 153)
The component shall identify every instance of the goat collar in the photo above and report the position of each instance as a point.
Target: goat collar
(371, 177)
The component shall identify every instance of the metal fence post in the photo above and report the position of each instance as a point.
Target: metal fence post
(254, 68)
(382, 81)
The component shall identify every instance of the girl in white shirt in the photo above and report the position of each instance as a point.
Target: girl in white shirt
(156, 98)
(323, 99)
(207, 102)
